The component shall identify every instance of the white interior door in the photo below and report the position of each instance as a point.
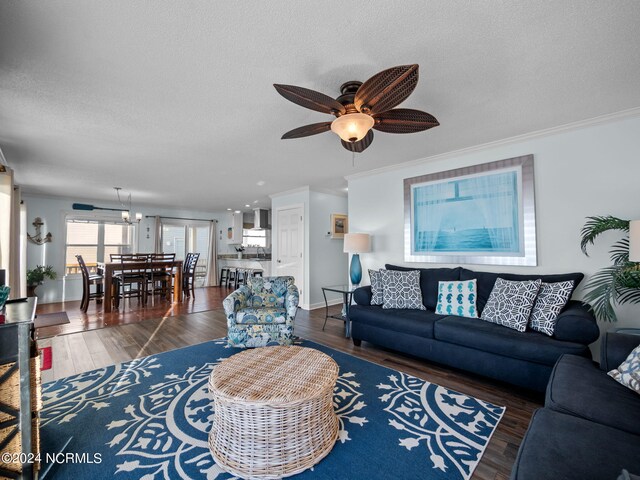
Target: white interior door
(290, 235)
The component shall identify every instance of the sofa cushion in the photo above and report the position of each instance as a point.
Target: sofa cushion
(401, 289)
(576, 324)
(493, 338)
(429, 278)
(578, 387)
(628, 373)
(377, 297)
(486, 280)
(551, 299)
(457, 298)
(510, 303)
(564, 447)
(413, 322)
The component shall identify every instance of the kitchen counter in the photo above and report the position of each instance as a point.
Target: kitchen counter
(234, 256)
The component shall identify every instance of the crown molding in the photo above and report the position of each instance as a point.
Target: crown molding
(610, 117)
(290, 192)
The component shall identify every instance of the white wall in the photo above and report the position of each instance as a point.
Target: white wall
(581, 172)
(53, 210)
(324, 262)
(328, 263)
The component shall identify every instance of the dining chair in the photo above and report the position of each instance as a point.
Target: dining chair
(160, 276)
(189, 274)
(89, 279)
(132, 277)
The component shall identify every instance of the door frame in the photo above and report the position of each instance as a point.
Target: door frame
(302, 282)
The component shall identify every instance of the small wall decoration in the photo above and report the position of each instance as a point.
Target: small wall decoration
(483, 214)
(37, 237)
(339, 225)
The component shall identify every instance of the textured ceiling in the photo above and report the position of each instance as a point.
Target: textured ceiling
(174, 101)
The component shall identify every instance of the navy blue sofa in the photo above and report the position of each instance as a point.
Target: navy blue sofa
(589, 428)
(525, 359)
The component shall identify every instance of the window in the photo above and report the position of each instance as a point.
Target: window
(254, 238)
(95, 240)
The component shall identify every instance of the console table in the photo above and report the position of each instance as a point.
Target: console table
(16, 334)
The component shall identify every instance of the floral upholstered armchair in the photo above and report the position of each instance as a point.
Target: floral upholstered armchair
(262, 312)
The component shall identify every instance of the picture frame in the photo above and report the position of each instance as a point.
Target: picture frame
(339, 225)
(482, 214)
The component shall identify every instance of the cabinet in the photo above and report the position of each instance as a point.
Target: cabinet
(234, 231)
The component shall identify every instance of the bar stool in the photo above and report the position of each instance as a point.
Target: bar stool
(257, 273)
(233, 275)
(224, 276)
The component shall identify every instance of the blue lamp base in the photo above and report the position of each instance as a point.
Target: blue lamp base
(356, 269)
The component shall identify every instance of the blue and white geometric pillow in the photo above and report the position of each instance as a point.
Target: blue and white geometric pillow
(401, 289)
(457, 298)
(552, 297)
(628, 373)
(510, 303)
(376, 287)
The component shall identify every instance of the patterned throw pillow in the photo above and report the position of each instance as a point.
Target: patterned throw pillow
(510, 303)
(376, 287)
(628, 373)
(551, 299)
(401, 289)
(457, 298)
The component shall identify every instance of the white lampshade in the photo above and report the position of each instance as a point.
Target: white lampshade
(125, 215)
(138, 216)
(634, 241)
(357, 243)
(352, 127)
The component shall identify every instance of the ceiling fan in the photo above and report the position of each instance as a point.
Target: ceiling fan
(363, 106)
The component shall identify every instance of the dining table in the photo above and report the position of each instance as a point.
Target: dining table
(110, 268)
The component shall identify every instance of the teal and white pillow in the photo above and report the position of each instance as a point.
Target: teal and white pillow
(457, 298)
(628, 373)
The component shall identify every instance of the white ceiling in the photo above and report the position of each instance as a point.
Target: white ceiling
(174, 101)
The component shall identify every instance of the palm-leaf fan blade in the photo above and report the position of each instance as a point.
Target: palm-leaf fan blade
(386, 89)
(404, 120)
(310, 99)
(308, 130)
(360, 146)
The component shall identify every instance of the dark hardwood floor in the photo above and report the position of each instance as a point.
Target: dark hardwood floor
(138, 335)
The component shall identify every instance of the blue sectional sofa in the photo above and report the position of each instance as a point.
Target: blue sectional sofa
(589, 428)
(525, 359)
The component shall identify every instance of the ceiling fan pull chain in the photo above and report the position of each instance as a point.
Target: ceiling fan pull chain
(353, 159)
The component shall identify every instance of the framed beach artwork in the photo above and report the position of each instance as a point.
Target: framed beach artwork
(483, 214)
(339, 225)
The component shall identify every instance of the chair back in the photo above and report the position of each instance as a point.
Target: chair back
(83, 267)
(268, 291)
(128, 260)
(163, 257)
(189, 266)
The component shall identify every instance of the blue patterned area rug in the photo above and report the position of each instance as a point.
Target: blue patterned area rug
(149, 419)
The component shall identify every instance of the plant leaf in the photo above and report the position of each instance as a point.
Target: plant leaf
(597, 225)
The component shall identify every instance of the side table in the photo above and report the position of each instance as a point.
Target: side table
(347, 296)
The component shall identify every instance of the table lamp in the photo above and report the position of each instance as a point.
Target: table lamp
(634, 241)
(356, 243)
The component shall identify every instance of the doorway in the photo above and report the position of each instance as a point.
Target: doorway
(289, 252)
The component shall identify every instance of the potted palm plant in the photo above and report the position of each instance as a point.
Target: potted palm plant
(37, 276)
(615, 284)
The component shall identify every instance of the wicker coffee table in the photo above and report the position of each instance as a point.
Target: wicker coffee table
(273, 411)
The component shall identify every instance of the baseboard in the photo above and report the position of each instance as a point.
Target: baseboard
(314, 306)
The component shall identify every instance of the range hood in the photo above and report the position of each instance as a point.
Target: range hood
(261, 219)
(258, 219)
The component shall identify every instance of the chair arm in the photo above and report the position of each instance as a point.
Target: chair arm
(291, 301)
(235, 301)
(615, 349)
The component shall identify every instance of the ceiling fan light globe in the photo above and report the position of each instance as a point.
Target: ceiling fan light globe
(352, 127)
